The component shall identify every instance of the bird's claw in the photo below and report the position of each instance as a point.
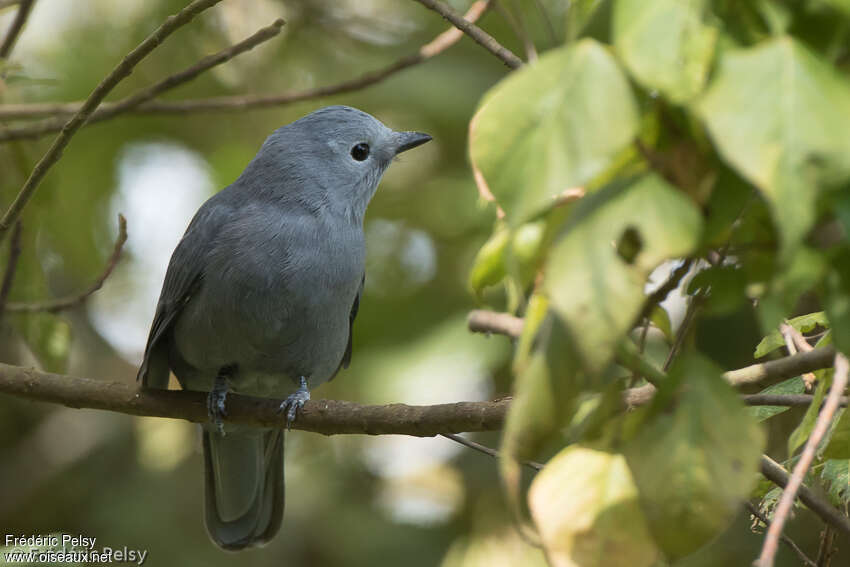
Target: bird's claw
(216, 409)
(294, 402)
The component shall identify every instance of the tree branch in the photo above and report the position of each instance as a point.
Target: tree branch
(55, 305)
(245, 102)
(23, 13)
(481, 321)
(121, 71)
(774, 472)
(328, 417)
(111, 109)
(481, 37)
(789, 495)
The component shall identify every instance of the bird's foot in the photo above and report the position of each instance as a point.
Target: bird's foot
(294, 402)
(216, 402)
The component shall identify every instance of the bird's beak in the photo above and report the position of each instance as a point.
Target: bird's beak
(409, 140)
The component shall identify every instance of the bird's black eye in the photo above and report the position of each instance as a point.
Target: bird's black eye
(360, 151)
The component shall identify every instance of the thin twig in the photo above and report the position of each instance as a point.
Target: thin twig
(481, 37)
(121, 71)
(786, 502)
(246, 102)
(483, 321)
(786, 400)
(826, 547)
(486, 450)
(774, 472)
(110, 109)
(23, 13)
(11, 267)
(55, 305)
(785, 539)
(794, 342)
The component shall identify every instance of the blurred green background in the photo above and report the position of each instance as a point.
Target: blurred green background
(351, 500)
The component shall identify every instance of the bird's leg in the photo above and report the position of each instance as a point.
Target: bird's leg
(295, 401)
(217, 397)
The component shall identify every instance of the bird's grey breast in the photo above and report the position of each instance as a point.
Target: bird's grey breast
(275, 298)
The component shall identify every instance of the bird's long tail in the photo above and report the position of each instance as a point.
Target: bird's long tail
(244, 485)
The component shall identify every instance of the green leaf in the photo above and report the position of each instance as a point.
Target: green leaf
(693, 467)
(839, 440)
(836, 473)
(585, 505)
(597, 292)
(488, 268)
(789, 386)
(804, 429)
(803, 323)
(779, 114)
(552, 126)
(665, 44)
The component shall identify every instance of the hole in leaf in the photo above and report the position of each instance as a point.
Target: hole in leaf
(629, 245)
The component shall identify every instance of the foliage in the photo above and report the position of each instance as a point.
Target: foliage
(703, 129)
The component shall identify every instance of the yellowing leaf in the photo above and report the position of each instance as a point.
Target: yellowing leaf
(585, 505)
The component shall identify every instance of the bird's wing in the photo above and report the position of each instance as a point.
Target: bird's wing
(184, 275)
(346, 357)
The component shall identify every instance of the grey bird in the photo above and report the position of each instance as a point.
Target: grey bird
(261, 294)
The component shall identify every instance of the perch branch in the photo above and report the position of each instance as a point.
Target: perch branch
(789, 494)
(54, 305)
(111, 109)
(481, 37)
(328, 417)
(23, 13)
(244, 102)
(121, 71)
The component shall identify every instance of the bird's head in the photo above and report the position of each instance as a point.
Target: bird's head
(333, 157)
